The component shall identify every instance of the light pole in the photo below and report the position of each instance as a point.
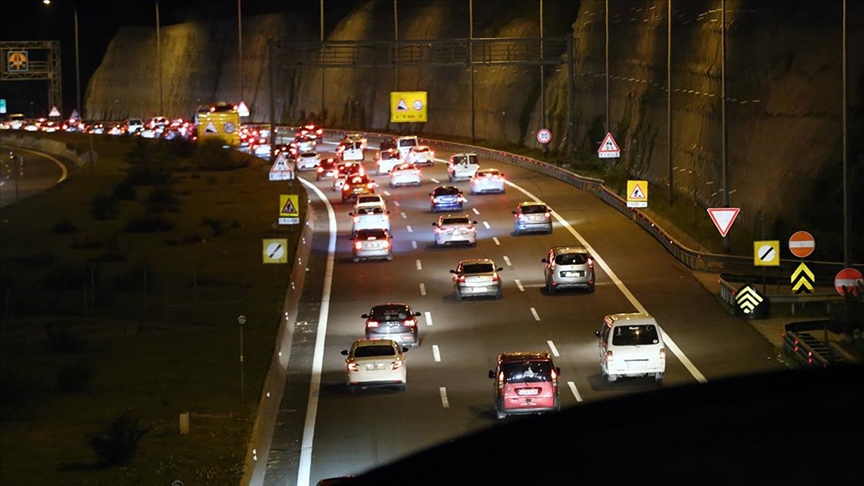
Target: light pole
(159, 60)
(77, 62)
(240, 44)
(241, 320)
(321, 17)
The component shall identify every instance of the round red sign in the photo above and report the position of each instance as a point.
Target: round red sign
(544, 135)
(851, 279)
(802, 244)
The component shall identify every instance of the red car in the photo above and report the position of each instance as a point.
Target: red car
(525, 383)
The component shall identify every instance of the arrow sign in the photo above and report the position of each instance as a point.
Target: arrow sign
(803, 280)
(748, 299)
(723, 218)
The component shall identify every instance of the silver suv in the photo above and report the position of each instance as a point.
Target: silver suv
(531, 217)
(477, 278)
(569, 266)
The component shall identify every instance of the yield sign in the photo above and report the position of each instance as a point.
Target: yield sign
(723, 218)
(608, 149)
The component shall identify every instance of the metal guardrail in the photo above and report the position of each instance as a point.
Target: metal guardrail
(805, 349)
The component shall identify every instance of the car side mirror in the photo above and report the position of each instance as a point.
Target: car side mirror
(514, 212)
(491, 374)
(344, 352)
(416, 314)
(475, 222)
(500, 269)
(452, 271)
(544, 260)
(434, 224)
(404, 349)
(350, 214)
(365, 316)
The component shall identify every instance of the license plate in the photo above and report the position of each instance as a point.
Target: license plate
(478, 289)
(527, 391)
(636, 364)
(373, 246)
(579, 273)
(375, 366)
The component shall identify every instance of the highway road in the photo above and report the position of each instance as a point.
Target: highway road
(325, 431)
(39, 172)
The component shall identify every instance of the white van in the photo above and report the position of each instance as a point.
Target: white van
(631, 344)
(462, 166)
(405, 144)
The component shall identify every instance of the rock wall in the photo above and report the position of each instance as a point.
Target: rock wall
(783, 103)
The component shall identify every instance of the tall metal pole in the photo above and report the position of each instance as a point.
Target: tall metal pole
(240, 45)
(396, 34)
(542, 78)
(321, 16)
(723, 114)
(159, 60)
(471, 63)
(669, 98)
(77, 70)
(607, 67)
(847, 231)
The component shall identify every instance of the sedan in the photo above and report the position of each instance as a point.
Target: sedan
(378, 362)
(446, 198)
(327, 169)
(477, 278)
(405, 175)
(308, 161)
(396, 321)
(530, 216)
(372, 244)
(455, 229)
(487, 181)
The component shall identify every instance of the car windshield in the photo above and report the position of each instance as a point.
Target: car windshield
(478, 268)
(533, 209)
(407, 142)
(446, 191)
(405, 167)
(571, 259)
(446, 221)
(635, 335)
(371, 234)
(390, 313)
(527, 372)
(374, 350)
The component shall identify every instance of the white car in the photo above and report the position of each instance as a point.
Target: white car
(386, 160)
(405, 143)
(406, 174)
(308, 161)
(352, 151)
(487, 181)
(631, 344)
(421, 155)
(462, 166)
(372, 244)
(375, 362)
(458, 229)
(370, 201)
(374, 217)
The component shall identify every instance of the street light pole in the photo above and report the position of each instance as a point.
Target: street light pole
(159, 60)
(321, 119)
(77, 70)
(240, 44)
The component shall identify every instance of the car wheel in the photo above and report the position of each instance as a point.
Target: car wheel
(473, 244)
(403, 386)
(549, 287)
(501, 415)
(591, 288)
(389, 258)
(450, 177)
(549, 231)
(355, 259)
(458, 296)
(557, 405)
(500, 294)
(611, 378)
(658, 377)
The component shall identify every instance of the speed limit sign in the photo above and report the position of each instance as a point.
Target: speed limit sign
(544, 135)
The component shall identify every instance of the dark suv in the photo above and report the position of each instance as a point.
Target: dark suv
(525, 383)
(393, 321)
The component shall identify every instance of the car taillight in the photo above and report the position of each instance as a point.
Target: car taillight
(358, 245)
(370, 185)
(547, 214)
(410, 322)
(398, 364)
(356, 219)
(609, 357)
(320, 169)
(386, 244)
(460, 199)
(371, 323)
(438, 229)
(462, 279)
(495, 277)
(345, 187)
(501, 381)
(470, 228)
(662, 354)
(352, 366)
(591, 263)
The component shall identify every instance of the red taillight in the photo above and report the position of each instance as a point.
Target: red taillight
(591, 263)
(460, 199)
(370, 185)
(371, 323)
(352, 366)
(358, 245)
(547, 214)
(501, 380)
(462, 279)
(495, 277)
(345, 187)
(410, 322)
(320, 169)
(356, 219)
(662, 354)
(609, 357)
(398, 364)
(386, 244)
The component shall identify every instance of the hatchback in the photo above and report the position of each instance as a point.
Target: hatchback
(421, 155)
(446, 198)
(525, 383)
(375, 363)
(327, 169)
(345, 170)
(631, 344)
(477, 278)
(568, 267)
(453, 229)
(487, 181)
(356, 185)
(308, 161)
(369, 217)
(372, 244)
(531, 217)
(405, 175)
(394, 321)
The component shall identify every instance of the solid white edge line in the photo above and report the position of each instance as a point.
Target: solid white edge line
(553, 348)
(64, 173)
(623, 288)
(305, 467)
(428, 318)
(444, 401)
(436, 353)
(535, 314)
(575, 391)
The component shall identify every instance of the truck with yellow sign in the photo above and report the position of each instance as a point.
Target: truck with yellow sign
(219, 121)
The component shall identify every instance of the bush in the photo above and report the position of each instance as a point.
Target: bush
(64, 227)
(14, 393)
(117, 443)
(124, 191)
(62, 340)
(104, 207)
(162, 199)
(221, 225)
(74, 378)
(149, 224)
(213, 155)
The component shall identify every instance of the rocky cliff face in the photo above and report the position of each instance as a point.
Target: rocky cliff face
(783, 85)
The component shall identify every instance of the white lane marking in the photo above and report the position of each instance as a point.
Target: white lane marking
(436, 181)
(535, 314)
(444, 400)
(507, 261)
(623, 288)
(414, 245)
(404, 216)
(519, 284)
(495, 239)
(436, 354)
(486, 224)
(422, 289)
(575, 391)
(387, 193)
(428, 318)
(305, 465)
(419, 265)
(553, 348)
(409, 228)
(396, 203)
(475, 210)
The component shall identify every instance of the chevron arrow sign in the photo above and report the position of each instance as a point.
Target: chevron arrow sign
(802, 280)
(748, 299)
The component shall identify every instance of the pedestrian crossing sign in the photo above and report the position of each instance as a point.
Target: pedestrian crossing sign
(637, 194)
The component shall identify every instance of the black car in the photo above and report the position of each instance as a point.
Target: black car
(446, 198)
(394, 321)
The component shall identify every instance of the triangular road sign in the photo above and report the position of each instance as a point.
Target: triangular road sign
(637, 193)
(289, 207)
(723, 218)
(242, 109)
(281, 171)
(210, 128)
(401, 106)
(609, 144)
(54, 111)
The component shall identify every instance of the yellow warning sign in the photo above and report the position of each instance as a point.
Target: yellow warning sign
(17, 61)
(289, 209)
(637, 194)
(275, 250)
(408, 106)
(766, 253)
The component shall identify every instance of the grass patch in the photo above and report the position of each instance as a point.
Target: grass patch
(114, 334)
